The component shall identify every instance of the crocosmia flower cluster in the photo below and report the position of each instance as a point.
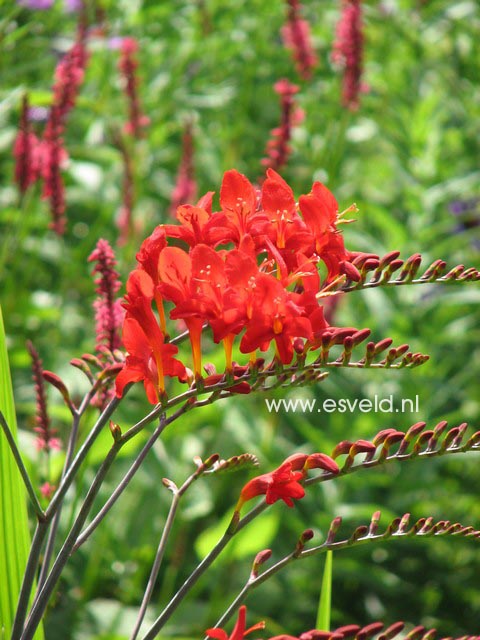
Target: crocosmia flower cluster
(249, 272)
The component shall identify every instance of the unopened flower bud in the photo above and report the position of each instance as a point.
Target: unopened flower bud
(170, 485)
(260, 559)
(58, 383)
(334, 527)
(322, 461)
(115, 431)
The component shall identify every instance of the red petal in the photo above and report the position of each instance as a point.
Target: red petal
(276, 194)
(236, 186)
(327, 200)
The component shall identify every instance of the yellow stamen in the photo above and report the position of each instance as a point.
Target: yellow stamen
(161, 313)
(195, 334)
(228, 346)
(277, 326)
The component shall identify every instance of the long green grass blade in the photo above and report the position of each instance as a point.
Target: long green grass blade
(325, 603)
(14, 530)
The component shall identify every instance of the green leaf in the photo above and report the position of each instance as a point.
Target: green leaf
(325, 603)
(14, 531)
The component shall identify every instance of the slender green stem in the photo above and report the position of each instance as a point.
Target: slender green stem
(21, 467)
(29, 578)
(187, 585)
(87, 532)
(72, 441)
(80, 457)
(199, 571)
(234, 606)
(156, 565)
(178, 493)
(44, 594)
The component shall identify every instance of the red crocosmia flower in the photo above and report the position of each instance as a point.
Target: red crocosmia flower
(242, 273)
(275, 317)
(239, 631)
(281, 484)
(219, 303)
(205, 202)
(239, 215)
(140, 291)
(304, 274)
(193, 227)
(147, 363)
(175, 272)
(148, 258)
(319, 326)
(319, 209)
(334, 255)
(286, 230)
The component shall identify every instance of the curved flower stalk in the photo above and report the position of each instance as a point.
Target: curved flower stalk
(372, 631)
(398, 528)
(381, 272)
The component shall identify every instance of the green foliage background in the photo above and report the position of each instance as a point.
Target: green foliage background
(410, 150)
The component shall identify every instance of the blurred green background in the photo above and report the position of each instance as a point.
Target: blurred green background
(405, 157)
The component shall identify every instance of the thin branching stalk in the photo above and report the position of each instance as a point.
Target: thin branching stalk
(177, 495)
(87, 532)
(72, 441)
(43, 595)
(200, 570)
(21, 467)
(29, 577)
(423, 528)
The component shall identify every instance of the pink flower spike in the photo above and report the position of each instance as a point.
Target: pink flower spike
(348, 52)
(296, 37)
(278, 147)
(185, 190)
(46, 436)
(47, 490)
(25, 151)
(108, 310)
(127, 66)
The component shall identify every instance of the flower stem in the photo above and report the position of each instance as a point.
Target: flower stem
(21, 467)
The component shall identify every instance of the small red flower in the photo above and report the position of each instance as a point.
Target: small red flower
(281, 484)
(320, 212)
(286, 229)
(149, 358)
(240, 215)
(175, 272)
(193, 228)
(147, 363)
(276, 316)
(239, 631)
(148, 257)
